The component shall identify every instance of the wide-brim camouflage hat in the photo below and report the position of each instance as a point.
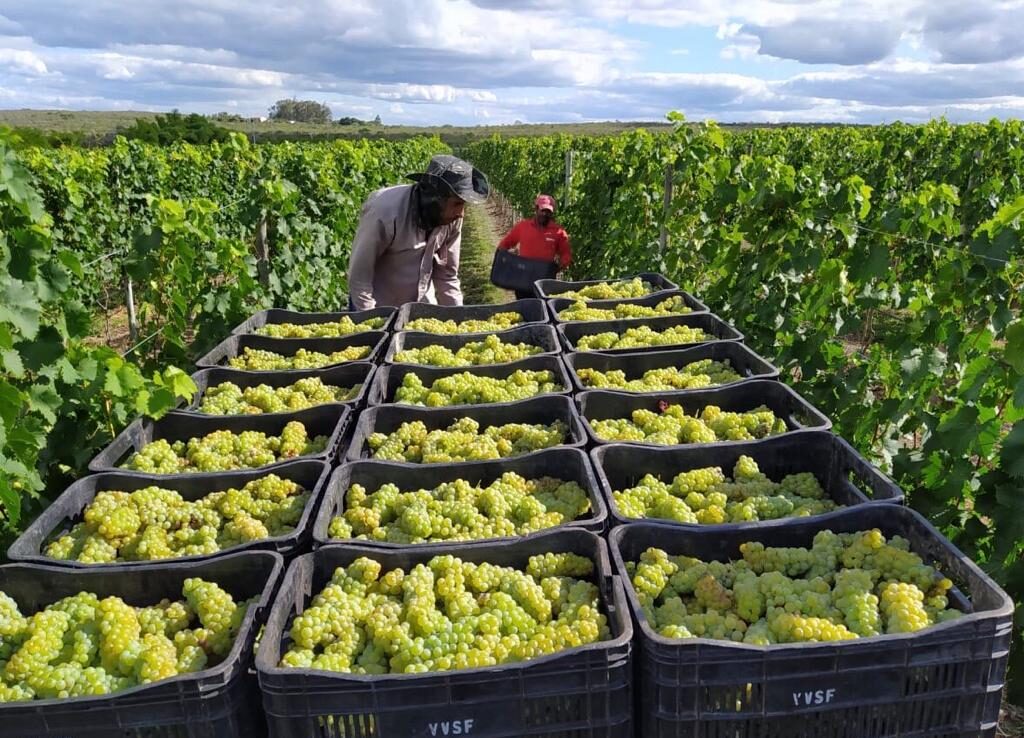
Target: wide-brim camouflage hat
(459, 177)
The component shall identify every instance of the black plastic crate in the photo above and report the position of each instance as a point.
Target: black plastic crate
(327, 420)
(535, 334)
(558, 304)
(233, 346)
(746, 363)
(942, 682)
(339, 375)
(277, 316)
(532, 310)
(389, 378)
(584, 692)
(711, 324)
(68, 508)
(544, 409)
(846, 476)
(567, 464)
(212, 703)
(547, 288)
(799, 414)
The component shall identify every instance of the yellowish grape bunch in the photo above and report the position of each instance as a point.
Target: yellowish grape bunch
(258, 360)
(497, 322)
(331, 329)
(491, 350)
(580, 311)
(86, 646)
(459, 511)
(622, 289)
(703, 373)
(466, 388)
(463, 440)
(672, 426)
(641, 337)
(845, 586)
(227, 398)
(706, 496)
(223, 451)
(155, 523)
(446, 614)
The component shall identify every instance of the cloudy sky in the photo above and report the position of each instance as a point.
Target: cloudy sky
(498, 61)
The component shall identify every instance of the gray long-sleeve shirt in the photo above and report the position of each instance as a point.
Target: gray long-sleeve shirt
(394, 261)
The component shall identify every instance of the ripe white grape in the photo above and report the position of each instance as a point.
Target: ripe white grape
(581, 311)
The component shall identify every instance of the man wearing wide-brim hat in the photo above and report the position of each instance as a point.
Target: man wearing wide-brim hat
(409, 236)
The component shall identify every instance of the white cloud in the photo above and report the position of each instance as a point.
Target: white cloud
(23, 62)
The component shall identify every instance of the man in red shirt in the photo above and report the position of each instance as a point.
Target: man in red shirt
(540, 238)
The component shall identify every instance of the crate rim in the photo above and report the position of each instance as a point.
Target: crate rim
(688, 297)
(329, 315)
(382, 338)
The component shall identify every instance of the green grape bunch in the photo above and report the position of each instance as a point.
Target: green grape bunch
(459, 511)
(491, 350)
(345, 326)
(446, 614)
(671, 426)
(580, 311)
(227, 398)
(642, 336)
(154, 523)
(497, 322)
(89, 646)
(622, 289)
(463, 440)
(467, 388)
(223, 450)
(843, 587)
(707, 497)
(695, 375)
(259, 360)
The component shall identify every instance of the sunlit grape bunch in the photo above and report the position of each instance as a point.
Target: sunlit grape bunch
(671, 426)
(491, 350)
(259, 360)
(463, 440)
(581, 311)
(845, 586)
(223, 450)
(88, 646)
(641, 337)
(459, 511)
(707, 497)
(497, 322)
(154, 523)
(696, 374)
(467, 388)
(622, 289)
(345, 326)
(227, 398)
(445, 615)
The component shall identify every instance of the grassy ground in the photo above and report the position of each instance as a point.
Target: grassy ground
(479, 239)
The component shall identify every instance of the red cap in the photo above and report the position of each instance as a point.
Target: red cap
(545, 202)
